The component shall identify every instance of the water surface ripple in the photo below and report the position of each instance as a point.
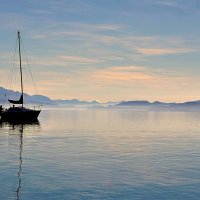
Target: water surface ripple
(102, 154)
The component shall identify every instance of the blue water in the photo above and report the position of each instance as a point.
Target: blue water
(102, 154)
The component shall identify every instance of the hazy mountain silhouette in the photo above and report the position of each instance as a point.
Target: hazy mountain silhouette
(157, 103)
(190, 105)
(44, 100)
(75, 102)
(41, 99)
(134, 103)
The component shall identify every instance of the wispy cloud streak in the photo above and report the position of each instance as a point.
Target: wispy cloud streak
(157, 51)
(122, 73)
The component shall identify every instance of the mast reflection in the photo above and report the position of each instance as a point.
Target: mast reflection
(20, 162)
(19, 127)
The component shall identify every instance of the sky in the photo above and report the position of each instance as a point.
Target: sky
(105, 50)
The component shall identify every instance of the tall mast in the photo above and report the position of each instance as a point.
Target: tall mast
(20, 65)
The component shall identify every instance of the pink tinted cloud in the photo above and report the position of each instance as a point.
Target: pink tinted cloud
(122, 73)
(162, 51)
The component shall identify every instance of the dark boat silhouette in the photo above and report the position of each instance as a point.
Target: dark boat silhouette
(19, 113)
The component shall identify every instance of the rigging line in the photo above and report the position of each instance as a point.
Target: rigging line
(29, 68)
(10, 76)
(13, 64)
(13, 70)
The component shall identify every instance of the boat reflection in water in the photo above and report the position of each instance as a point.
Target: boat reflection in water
(18, 128)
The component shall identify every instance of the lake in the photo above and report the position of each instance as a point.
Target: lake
(105, 154)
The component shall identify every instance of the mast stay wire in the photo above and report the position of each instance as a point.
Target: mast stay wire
(36, 90)
(10, 76)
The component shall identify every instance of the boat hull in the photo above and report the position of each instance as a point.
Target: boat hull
(20, 115)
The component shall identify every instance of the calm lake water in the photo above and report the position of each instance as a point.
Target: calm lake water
(102, 154)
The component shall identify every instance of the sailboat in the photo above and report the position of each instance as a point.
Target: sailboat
(19, 112)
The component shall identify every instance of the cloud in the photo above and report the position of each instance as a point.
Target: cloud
(107, 41)
(167, 3)
(158, 51)
(76, 30)
(38, 36)
(117, 83)
(61, 6)
(172, 4)
(95, 27)
(111, 27)
(50, 83)
(64, 60)
(77, 59)
(12, 21)
(122, 73)
(129, 44)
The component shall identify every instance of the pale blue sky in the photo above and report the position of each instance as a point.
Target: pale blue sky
(106, 49)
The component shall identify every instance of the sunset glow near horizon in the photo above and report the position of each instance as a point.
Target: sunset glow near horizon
(106, 50)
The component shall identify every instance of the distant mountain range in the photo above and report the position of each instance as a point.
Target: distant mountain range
(157, 105)
(44, 100)
(35, 99)
(41, 99)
